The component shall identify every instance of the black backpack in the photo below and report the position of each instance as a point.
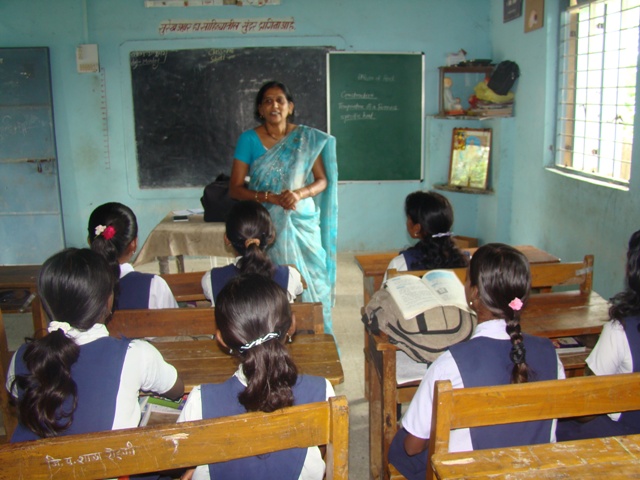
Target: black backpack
(503, 77)
(216, 200)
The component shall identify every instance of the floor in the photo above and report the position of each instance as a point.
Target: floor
(347, 330)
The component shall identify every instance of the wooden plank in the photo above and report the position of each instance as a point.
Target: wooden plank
(610, 457)
(203, 361)
(197, 321)
(148, 449)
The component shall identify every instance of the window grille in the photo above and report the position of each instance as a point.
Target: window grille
(597, 88)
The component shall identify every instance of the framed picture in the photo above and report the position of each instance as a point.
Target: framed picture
(470, 155)
(512, 10)
(533, 15)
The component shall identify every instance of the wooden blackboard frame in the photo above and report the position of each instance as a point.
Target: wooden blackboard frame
(376, 113)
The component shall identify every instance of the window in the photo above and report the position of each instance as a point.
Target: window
(597, 88)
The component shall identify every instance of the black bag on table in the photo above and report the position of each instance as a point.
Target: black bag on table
(216, 200)
(503, 77)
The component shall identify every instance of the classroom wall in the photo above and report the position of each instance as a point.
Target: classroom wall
(89, 178)
(562, 215)
(530, 205)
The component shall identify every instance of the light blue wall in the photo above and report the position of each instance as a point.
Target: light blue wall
(530, 206)
(561, 215)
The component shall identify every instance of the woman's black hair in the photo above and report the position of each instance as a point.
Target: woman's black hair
(248, 221)
(501, 274)
(122, 219)
(627, 303)
(74, 286)
(260, 98)
(434, 214)
(248, 308)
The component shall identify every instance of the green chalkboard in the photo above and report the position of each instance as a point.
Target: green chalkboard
(376, 114)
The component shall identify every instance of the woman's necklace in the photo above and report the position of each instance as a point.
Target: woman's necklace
(286, 132)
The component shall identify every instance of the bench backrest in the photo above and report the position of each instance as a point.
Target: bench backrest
(543, 275)
(187, 286)
(9, 414)
(171, 322)
(496, 405)
(173, 446)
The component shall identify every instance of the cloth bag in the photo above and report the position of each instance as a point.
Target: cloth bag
(216, 200)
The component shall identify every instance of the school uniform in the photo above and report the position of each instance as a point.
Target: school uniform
(482, 360)
(139, 291)
(617, 351)
(214, 280)
(409, 257)
(109, 375)
(218, 400)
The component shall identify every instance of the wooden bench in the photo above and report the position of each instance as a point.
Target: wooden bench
(167, 447)
(576, 312)
(197, 321)
(497, 405)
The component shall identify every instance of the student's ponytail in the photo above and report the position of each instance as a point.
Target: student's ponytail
(250, 231)
(254, 318)
(75, 286)
(520, 371)
(49, 393)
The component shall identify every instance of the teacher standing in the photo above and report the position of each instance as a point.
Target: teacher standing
(293, 171)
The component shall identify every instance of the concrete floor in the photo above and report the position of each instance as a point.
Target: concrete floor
(347, 330)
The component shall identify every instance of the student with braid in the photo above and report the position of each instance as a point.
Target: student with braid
(429, 218)
(498, 353)
(78, 379)
(617, 351)
(254, 321)
(113, 233)
(250, 232)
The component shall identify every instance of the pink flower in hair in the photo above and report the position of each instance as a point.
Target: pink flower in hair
(109, 232)
(515, 304)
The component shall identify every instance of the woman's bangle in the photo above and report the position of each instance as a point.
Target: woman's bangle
(266, 196)
(256, 196)
(310, 191)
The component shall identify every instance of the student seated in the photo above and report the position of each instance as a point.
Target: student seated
(250, 232)
(254, 321)
(429, 218)
(497, 354)
(617, 351)
(78, 379)
(113, 233)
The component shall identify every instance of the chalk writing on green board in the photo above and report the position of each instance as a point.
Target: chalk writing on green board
(376, 115)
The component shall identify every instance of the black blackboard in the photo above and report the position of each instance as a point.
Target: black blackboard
(376, 115)
(191, 105)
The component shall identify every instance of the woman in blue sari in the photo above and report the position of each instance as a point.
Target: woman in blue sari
(293, 171)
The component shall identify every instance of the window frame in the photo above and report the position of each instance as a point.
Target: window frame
(567, 104)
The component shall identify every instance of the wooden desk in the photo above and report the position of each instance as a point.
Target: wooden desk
(547, 315)
(16, 277)
(202, 361)
(374, 265)
(611, 458)
(175, 239)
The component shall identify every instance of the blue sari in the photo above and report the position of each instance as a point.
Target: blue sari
(306, 236)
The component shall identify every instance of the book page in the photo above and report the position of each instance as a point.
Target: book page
(412, 295)
(448, 286)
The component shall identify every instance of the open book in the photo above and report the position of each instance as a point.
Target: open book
(436, 289)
